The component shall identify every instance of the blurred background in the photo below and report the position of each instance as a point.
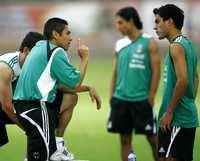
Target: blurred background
(93, 22)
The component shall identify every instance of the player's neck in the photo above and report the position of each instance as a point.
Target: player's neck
(53, 42)
(134, 35)
(173, 35)
(21, 59)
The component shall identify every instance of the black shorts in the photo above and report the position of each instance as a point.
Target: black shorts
(4, 120)
(38, 121)
(56, 104)
(176, 143)
(126, 116)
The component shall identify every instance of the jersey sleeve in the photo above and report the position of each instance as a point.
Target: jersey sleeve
(63, 71)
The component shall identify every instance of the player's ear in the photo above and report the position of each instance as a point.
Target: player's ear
(131, 21)
(54, 35)
(26, 50)
(170, 21)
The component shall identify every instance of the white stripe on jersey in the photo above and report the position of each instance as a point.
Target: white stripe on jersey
(46, 83)
(12, 59)
(121, 43)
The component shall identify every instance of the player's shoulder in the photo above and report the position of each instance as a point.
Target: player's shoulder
(12, 56)
(149, 40)
(60, 53)
(147, 36)
(122, 43)
(179, 39)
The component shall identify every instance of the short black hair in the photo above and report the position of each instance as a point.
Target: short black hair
(173, 12)
(54, 24)
(129, 13)
(30, 40)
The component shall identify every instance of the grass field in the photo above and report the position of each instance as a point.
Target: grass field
(86, 135)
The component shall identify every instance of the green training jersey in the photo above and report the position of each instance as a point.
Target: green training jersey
(185, 114)
(39, 77)
(133, 69)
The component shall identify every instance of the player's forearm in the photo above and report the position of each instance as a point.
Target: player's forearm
(178, 92)
(112, 87)
(82, 69)
(82, 88)
(155, 78)
(10, 113)
(78, 89)
(196, 84)
(113, 84)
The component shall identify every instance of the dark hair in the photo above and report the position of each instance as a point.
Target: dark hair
(129, 13)
(54, 24)
(30, 40)
(173, 12)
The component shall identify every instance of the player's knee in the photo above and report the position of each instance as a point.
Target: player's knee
(70, 100)
(152, 140)
(161, 159)
(74, 99)
(125, 140)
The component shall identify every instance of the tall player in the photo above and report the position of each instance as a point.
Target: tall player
(134, 83)
(178, 114)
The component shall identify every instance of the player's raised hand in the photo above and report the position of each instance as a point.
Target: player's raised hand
(95, 97)
(83, 50)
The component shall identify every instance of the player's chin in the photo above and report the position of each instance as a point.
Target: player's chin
(161, 37)
(67, 47)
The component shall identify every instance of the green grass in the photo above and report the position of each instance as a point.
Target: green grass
(86, 135)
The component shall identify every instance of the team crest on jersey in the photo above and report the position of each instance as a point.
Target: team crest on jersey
(139, 49)
(138, 57)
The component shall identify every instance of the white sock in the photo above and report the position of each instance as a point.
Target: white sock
(60, 142)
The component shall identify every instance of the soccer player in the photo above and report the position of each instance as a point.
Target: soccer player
(47, 69)
(134, 83)
(10, 67)
(178, 115)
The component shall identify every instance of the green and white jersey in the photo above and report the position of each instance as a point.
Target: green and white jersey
(185, 114)
(39, 77)
(133, 69)
(12, 60)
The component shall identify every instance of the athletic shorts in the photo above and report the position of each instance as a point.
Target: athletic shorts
(57, 104)
(38, 121)
(126, 116)
(176, 143)
(4, 119)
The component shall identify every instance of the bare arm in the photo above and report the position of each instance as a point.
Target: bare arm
(114, 77)
(83, 52)
(155, 67)
(6, 95)
(178, 57)
(84, 88)
(78, 89)
(196, 84)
